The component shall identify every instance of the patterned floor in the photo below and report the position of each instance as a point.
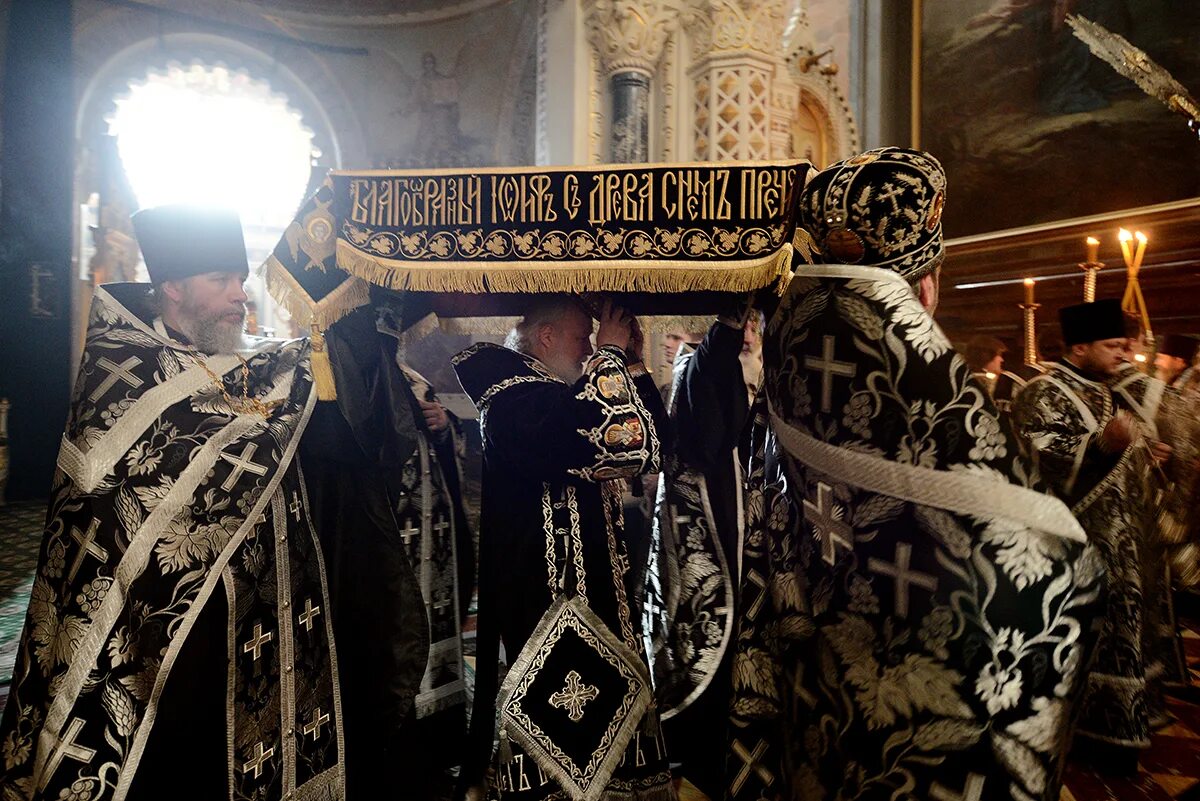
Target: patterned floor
(1170, 769)
(20, 536)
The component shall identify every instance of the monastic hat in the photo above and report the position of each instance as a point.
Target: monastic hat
(1181, 346)
(178, 241)
(882, 208)
(1091, 322)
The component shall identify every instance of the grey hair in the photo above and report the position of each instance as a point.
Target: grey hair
(546, 310)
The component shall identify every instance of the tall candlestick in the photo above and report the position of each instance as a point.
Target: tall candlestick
(1029, 291)
(1141, 250)
(1124, 238)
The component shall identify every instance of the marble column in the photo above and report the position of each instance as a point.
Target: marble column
(629, 133)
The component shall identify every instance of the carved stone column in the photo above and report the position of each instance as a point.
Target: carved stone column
(736, 57)
(629, 36)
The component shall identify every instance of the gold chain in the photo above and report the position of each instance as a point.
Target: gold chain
(244, 404)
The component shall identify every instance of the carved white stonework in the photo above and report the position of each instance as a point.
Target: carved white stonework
(733, 111)
(629, 35)
(668, 98)
(596, 113)
(735, 26)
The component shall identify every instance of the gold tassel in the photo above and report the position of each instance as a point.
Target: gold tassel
(322, 370)
(506, 754)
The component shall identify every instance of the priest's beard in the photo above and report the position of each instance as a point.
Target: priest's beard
(563, 367)
(211, 332)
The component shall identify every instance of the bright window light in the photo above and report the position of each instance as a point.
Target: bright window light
(211, 136)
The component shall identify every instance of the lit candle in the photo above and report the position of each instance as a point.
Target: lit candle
(1123, 237)
(1141, 250)
(1028, 291)
(1093, 249)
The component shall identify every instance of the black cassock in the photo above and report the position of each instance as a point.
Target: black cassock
(553, 454)
(690, 600)
(362, 459)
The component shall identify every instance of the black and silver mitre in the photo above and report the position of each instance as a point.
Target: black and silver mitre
(881, 208)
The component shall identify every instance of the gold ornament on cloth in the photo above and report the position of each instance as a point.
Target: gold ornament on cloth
(246, 404)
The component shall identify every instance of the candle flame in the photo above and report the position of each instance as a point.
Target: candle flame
(1028, 282)
(1141, 238)
(1124, 235)
(1140, 357)
(1091, 240)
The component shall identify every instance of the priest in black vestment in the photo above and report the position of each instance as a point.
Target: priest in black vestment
(557, 448)
(929, 615)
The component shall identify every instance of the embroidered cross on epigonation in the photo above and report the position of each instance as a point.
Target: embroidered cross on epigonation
(972, 790)
(574, 696)
(116, 372)
(310, 612)
(257, 760)
(87, 547)
(296, 506)
(828, 367)
(314, 726)
(242, 463)
(254, 644)
(830, 529)
(408, 533)
(755, 578)
(903, 575)
(66, 747)
(751, 762)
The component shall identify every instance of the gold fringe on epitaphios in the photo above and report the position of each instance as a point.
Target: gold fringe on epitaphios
(500, 326)
(317, 315)
(626, 275)
(288, 293)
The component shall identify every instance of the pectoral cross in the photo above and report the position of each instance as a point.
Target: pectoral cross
(296, 506)
(828, 367)
(832, 531)
(87, 546)
(255, 764)
(310, 612)
(65, 747)
(116, 372)
(972, 790)
(750, 762)
(574, 696)
(313, 727)
(902, 575)
(255, 644)
(443, 601)
(241, 464)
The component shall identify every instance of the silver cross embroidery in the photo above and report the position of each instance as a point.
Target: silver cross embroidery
(750, 762)
(67, 747)
(87, 545)
(116, 372)
(828, 367)
(574, 696)
(241, 464)
(255, 765)
(831, 530)
(313, 727)
(310, 612)
(902, 575)
(255, 644)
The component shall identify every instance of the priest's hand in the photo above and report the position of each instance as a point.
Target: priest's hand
(1118, 434)
(435, 415)
(1160, 452)
(476, 793)
(614, 326)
